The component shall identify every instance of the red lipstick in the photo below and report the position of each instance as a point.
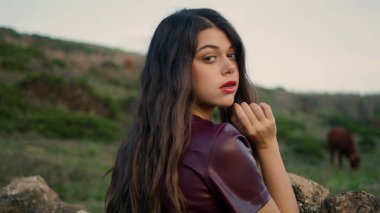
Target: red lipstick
(228, 87)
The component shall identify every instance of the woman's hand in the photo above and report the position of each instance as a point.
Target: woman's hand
(257, 123)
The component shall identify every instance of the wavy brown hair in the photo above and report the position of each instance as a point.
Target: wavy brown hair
(145, 173)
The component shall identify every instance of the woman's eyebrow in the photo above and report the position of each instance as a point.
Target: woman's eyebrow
(212, 47)
(208, 46)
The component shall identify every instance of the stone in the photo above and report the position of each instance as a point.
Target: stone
(351, 202)
(309, 194)
(32, 194)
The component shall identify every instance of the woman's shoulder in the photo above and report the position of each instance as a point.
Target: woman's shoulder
(211, 144)
(221, 135)
(206, 128)
(230, 142)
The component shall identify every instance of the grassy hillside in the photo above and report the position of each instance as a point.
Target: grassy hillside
(65, 106)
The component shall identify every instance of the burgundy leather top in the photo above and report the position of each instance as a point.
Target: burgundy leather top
(218, 172)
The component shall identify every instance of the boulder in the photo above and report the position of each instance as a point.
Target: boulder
(32, 194)
(351, 202)
(309, 194)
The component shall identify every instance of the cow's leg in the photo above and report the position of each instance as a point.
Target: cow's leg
(332, 156)
(340, 160)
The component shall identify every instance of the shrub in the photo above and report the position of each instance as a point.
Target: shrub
(19, 115)
(75, 95)
(307, 147)
(54, 123)
(354, 125)
(286, 127)
(17, 58)
(367, 144)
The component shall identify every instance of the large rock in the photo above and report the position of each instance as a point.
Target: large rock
(351, 202)
(309, 194)
(32, 194)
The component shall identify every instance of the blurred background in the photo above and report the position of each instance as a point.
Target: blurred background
(69, 75)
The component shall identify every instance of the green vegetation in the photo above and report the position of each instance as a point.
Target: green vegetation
(17, 58)
(17, 115)
(366, 178)
(64, 107)
(74, 169)
(354, 125)
(75, 94)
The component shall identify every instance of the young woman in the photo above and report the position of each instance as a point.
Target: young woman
(175, 159)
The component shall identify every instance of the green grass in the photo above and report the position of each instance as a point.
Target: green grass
(73, 169)
(17, 58)
(73, 148)
(338, 180)
(355, 125)
(17, 115)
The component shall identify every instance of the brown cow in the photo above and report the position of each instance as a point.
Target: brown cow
(341, 141)
(129, 63)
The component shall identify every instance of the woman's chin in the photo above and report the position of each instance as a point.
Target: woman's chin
(227, 104)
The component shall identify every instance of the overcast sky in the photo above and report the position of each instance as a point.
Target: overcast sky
(302, 46)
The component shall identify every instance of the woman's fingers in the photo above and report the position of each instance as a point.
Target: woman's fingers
(253, 115)
(241, 116)
(256, 122)
(249, 113)
(267, 111)
(257, 111)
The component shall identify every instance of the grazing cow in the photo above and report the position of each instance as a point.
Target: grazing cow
(129, 63)
(341, 141)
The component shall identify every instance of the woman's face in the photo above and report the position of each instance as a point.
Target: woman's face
(215, 71)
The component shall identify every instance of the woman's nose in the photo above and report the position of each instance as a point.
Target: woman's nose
(229, 66)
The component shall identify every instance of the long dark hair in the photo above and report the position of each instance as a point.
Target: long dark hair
(145, 170)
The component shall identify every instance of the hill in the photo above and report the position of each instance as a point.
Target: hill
(64, 83)
(65, 105)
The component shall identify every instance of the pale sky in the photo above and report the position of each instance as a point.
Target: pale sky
(299, 45)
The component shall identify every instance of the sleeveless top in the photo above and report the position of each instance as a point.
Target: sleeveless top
(217, 172)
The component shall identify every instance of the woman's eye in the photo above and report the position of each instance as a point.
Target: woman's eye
(232, 56)
(209, 59)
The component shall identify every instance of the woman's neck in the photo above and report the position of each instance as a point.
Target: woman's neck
(204, 113)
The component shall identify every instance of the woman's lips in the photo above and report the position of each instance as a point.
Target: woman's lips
(228, 87)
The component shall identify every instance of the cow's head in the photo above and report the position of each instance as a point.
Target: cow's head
(354, 160)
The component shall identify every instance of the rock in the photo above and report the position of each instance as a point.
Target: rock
(351, 202)
(32, 194)
(309, 194)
